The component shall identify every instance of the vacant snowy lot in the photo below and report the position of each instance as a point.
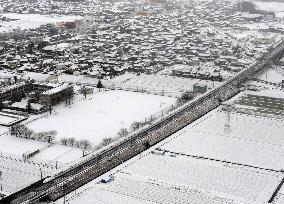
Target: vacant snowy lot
(30, 21)
(101, 115)
(163, 84)
(59, 153)
(19, 146)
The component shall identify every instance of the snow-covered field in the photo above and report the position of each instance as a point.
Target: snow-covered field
(257, 140)
(270, 6)
(178, 180)
(19, 146)
(30, 21)
(101, 115)
(275, 75)
(245, 127)
(163, 84)
(206, 164)
(59, 153)
(214, 177)
(276, 7)
(17, 173)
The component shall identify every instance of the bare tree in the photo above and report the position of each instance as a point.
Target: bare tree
(136, 125)
(122, 132)
(71, 141)
(20, 130)
(84, 144)
(64, 140)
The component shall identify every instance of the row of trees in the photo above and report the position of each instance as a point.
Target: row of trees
(121, 133)
(22, 131)
(83, 144)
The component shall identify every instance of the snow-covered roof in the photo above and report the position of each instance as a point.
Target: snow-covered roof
(35, 76)
(56, 89)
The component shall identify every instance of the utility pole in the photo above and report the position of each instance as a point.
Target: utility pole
(227, 126)
(1, 185)
(41, 174)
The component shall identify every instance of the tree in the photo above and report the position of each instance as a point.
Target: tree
(106, 141)
(84, 90)
(39, 136)
(27, 133)
(64, 140)
(14, 129)
(71, 141)
(20, 130)
(84, 144)
(29, 107)
(136, 125)
(1, 105)
(50, 136)
(99, 85)
(45, 136)
(185, 97)
(122, 132)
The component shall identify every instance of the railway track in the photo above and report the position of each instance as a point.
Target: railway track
(111, 156)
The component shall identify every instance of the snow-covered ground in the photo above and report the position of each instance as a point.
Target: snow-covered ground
(8, 119)
(252, 137)
(59, 153)
(275, 75)
(19, 146)
(245, 127)
(163, 84)
(30, 21)
(101, 115)
(270, 6)
(17, 173)
(47, 161)
(237, 166)
(277, 7)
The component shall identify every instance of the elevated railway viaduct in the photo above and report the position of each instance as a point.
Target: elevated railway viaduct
(111, 156)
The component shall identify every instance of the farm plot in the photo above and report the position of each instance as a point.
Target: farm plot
(240, 184)
(242, 126)
(228, 149)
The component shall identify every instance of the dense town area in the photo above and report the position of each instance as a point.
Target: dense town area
(77, 76)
